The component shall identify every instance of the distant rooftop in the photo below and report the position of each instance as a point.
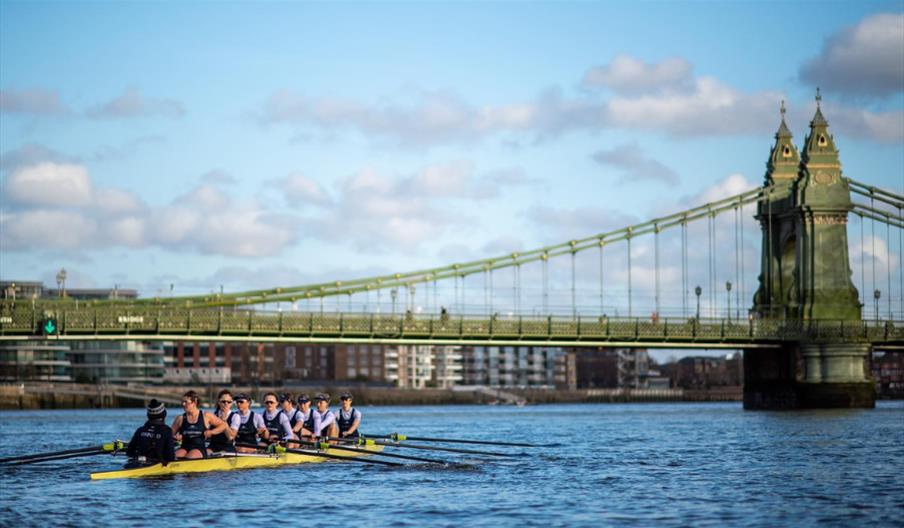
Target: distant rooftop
(29, 289)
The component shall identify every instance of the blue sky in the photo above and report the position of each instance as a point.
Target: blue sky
(263, 144)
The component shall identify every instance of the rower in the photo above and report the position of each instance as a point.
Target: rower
(152, 442)
(348, 418)
(305, 424)
(276, 421)
(287, 407)
(324, 419)
(225, 441)
(251, 426)
(191, 428)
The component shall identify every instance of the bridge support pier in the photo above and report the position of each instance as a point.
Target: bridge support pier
(809, 376)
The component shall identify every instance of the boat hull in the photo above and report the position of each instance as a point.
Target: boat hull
(229, 462)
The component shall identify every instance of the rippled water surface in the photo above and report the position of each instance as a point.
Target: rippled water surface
(618, 464)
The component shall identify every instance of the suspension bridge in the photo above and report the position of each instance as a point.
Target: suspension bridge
(788, 253)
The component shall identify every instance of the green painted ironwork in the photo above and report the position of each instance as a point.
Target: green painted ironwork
(219, 324)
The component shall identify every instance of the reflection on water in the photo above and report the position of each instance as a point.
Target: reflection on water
(634, 464)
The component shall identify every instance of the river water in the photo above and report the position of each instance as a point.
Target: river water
(619, 464)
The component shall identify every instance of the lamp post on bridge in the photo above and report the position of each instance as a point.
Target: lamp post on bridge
(697, 291)
(876, 295)
(728, 295)
(393, 293)
(61, 283)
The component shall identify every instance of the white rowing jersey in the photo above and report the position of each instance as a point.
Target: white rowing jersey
(258, 420)
(233, 419)
(322, 420)
(283, 421)
(355, 414)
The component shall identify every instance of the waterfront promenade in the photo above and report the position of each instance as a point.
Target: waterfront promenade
(35, 395)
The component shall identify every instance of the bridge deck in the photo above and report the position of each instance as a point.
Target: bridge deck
(109, 323)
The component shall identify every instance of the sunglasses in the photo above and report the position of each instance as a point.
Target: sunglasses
(270, 402)
(227, 402)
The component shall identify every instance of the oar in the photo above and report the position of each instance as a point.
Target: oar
(281, 449)
(69, 453)
(365, 441)
(377, 453)
(396, 437)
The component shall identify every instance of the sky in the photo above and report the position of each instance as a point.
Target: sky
(182, 147)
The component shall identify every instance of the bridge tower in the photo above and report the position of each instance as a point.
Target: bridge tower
(805, 276)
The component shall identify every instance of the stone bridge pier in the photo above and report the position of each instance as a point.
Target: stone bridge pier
(809, 376)
(806, 276)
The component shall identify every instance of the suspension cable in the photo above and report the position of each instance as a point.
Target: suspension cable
(630, 313)
(737, 247)
(862, 264)
(710, 225)
(515, 300)
(770, 280)
(656, 258)
(602, 305)
(545, 261)
(574, 307)
(684, 291)
(741, 277)
(888, 266)
(873, 256)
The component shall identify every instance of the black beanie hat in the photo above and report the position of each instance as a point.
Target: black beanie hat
(156, 410)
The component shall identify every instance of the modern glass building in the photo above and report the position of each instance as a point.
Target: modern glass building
(34, 361)
(116, 362)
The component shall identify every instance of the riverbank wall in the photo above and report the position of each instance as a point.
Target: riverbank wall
(88, 396)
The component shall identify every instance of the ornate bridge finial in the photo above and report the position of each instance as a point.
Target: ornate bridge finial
(783, 109)
(818, 97)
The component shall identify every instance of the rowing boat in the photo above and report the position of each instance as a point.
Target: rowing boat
(231, 461)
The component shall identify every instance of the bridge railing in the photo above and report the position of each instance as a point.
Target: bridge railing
(25, 322)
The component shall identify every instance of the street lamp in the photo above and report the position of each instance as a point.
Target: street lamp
(393, 293)
(876, 295)
(61, 282)
(697, 291)
(728, 294)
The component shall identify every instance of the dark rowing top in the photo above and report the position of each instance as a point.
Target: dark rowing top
(193, 433)
(154, 441)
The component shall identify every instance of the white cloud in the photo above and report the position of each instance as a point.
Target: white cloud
(628, 75)
(731, 185)
(886, 126)
(115, 201)
(875, 248)
(635, 164)
(378, 212)
(864, 59)
(36, 101)
(711, 108)
(133, 104)
(130, 231)
(49, 183)
(32, 154)
(56, 206)
(42, 228)
(662, 98)
(298, 188)
(564, 223)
